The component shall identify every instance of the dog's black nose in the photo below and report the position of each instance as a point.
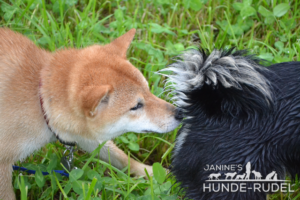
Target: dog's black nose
(178, 114)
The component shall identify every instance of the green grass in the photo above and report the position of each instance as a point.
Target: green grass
(164, 28)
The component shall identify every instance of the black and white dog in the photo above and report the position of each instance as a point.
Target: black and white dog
(237, 113)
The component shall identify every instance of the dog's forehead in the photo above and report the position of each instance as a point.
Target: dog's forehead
(107, 68)
(131, 80)
(133, 73)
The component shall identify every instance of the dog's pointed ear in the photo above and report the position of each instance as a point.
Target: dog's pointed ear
(122, 43)
(93, 97)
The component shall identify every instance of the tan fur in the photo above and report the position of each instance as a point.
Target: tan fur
(88, 95)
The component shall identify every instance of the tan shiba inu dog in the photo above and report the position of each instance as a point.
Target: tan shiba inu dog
(89, 96)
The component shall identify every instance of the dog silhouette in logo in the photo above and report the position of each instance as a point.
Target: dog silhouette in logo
(269, 176)
(248, 171)
(257, 175)
(242, 176)
(231, 175)
(216, 176)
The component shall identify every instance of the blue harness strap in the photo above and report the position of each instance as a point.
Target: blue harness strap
(62, 172)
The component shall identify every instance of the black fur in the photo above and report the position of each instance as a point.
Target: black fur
(235, 124)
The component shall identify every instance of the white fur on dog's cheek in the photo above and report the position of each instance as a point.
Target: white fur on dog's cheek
(171, 125)
(156, 125)
(140, 125)
(114, 130)
(127, 124)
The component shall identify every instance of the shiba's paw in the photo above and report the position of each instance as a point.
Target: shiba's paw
(139, 170)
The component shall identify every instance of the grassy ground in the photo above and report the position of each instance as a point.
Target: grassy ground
(164, 28)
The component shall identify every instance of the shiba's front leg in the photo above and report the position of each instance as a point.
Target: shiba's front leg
(6, 188)
(117, 157)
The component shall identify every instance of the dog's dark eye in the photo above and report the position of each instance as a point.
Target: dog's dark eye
(139, 105)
